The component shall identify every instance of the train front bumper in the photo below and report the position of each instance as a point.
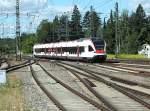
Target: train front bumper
(99, 58)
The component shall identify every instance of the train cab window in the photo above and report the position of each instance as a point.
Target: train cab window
(90, 48)
(98, 43)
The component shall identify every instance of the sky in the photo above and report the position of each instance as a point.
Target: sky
(32, 12)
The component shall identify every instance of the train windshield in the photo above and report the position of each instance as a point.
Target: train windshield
(99, 44)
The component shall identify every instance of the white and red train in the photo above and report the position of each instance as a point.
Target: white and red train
(87, 49)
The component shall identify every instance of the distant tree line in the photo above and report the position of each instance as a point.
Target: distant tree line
(133, 29)
(7, 46)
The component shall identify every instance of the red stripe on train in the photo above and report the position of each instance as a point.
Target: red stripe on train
(100, 51)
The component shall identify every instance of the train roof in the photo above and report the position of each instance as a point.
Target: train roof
(78, 41)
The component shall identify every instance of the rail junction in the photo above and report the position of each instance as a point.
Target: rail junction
(80, 86)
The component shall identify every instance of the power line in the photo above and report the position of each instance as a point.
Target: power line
(100, 2)
(81, 2)
(6, 14)
(86, 6)
(106, 2)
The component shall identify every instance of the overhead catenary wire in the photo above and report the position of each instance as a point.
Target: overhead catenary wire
(87, 5)
(105, 3)
(10, 13)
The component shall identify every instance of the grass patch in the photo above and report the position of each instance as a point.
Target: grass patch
(110, 56)
(127, 56)
(11, 98)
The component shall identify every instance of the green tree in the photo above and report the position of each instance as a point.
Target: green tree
(124, 31)
(64, 28)
(27, 42)
(138, 29)
(86, 24)
(75, 26)
(140, 19)
(109, 33)
(7, 46)
(133, 43)
(47, 32)
(43, 32)
(148, 29)
(92, 23)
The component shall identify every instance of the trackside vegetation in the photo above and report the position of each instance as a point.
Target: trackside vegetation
(127, 56)
(11, 97)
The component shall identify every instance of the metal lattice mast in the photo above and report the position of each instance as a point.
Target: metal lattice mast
(18, 46)
(116, 29)
(91, 20)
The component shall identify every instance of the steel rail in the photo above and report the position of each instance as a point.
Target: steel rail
(18, 66)
(140, 61)
(139, 72)
(91, 89)
(51, 97)
(111, 77)
(96, 104)
(115, 86)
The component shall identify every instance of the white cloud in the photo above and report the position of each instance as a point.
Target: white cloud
(51, 11)
(24, 4)
(61, 8)
(147, 6)
(144, 3)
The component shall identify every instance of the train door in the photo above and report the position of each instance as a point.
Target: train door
(56, 51)
(85, 51)
(78, 51)
(61, 51)
(90, 51)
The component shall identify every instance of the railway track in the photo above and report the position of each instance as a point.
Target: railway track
(81, 101)
(143, 96)
(4, 63)
(136, 69)
(21, 65)
(117, 74)
(2, 60)
(132, 65)
(131, 61)
(88, 85)
(128, 92)
(8, 67)
(51, 97)
(123, 78)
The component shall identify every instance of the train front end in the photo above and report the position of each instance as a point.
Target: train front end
(100, 54)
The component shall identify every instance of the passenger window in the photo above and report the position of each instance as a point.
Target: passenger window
(90, 49)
